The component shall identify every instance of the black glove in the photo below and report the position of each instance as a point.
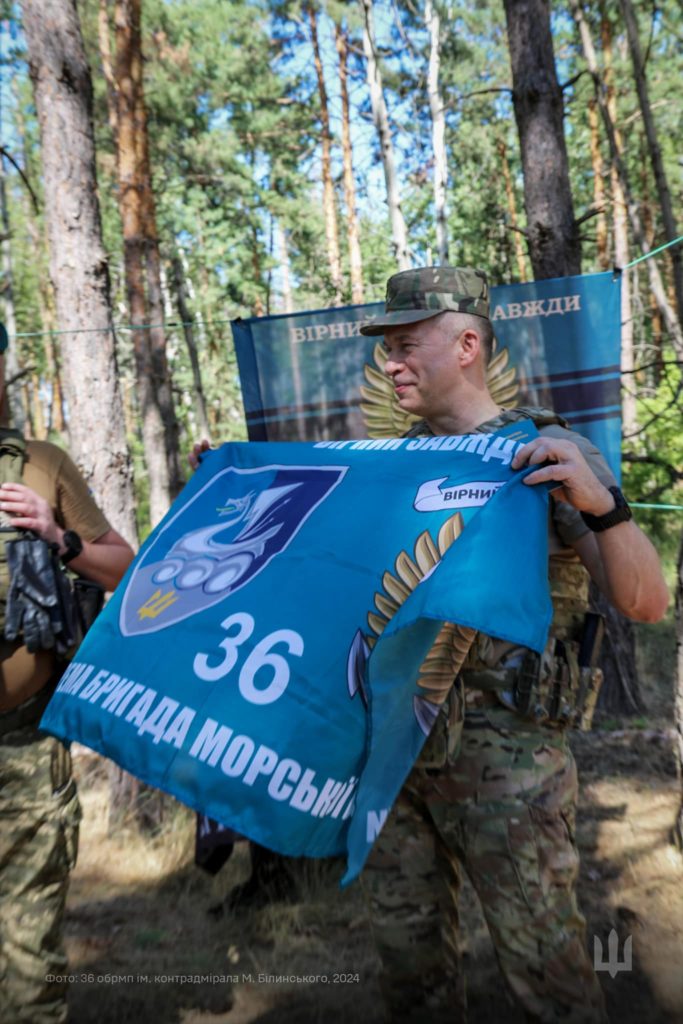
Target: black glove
(31, 593)
(39, 599)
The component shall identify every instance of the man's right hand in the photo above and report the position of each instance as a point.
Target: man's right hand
(198, 449)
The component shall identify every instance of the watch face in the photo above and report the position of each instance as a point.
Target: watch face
(74, 545)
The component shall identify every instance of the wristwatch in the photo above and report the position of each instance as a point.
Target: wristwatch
(621, 513)
(74, 545)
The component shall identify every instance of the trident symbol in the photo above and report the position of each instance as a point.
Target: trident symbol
(612, 965)
(156, 604)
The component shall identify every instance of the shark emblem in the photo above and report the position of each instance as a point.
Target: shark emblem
(210, 549)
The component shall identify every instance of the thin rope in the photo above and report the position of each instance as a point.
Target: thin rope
(648, 255)
(641, 504)
(124, 327)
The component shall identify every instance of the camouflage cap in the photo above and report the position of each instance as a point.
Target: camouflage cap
(415, 295)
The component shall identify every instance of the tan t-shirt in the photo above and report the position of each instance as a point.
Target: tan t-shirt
(50, 473)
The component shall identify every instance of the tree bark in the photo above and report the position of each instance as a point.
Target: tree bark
(128, 119)
(512, 210)
(380, 117)
(287, 296)
(353, 234)
(553, 239)
(599, 198)
(629, 423)
(663, 191)
(329, 202)
(436, 108)
(656, 285)
(679, 687)
(554, 245)
(186, 317)
(78, 264)
(17, 413)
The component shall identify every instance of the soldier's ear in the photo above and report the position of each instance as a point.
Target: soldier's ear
(469, 347)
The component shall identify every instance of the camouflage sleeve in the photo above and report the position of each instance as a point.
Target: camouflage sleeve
(568, 522)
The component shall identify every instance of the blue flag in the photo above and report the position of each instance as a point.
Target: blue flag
(270, 656)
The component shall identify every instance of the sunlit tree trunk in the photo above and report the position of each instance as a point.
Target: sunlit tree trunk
(438, 130)
(554, 245)
(512, 211)
(599, 197)
(78, 264)
(679, 686)
(621, 246)
(127, 117)
(656, 284)
(380, 117)
(329, 202)
(181, 297)
(14, 397)
(38, 418)
(655, 152)
(294, 346)
(285, 267)
(353, 234)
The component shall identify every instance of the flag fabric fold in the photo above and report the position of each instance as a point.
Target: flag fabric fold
(268, 658)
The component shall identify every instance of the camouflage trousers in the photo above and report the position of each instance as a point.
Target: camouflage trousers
(39, 816)
(502, 808)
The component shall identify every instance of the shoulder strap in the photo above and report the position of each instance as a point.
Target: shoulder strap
(12, 455)
(541, 418)
(537, 414)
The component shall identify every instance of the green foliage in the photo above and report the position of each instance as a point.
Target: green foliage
(234, 125)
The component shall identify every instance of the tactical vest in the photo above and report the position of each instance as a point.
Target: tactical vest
(12, 459)
(552, 687)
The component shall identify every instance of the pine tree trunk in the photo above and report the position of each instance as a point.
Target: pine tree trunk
(433, 24)
(380, 116)
(127, 117)
(656, 285)
(353, 234)
(629, 423)
(186, 317)
(679, 686)
(512, 211)
(329, 202)
(655, 152)
(553, 239)
(17, 414)
(599, 198)
(554, 245)
(78, 264)
(287, 297)
(39, 427)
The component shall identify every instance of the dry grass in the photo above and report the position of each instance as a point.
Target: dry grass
(138, 906)
(138, 909)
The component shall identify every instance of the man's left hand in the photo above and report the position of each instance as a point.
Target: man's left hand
(29, 511)
(577, 484)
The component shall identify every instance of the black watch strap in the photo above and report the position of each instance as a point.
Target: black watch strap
(621, 513)
(74, 546)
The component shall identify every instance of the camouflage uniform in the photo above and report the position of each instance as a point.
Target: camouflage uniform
(39, 816)
(416, 295)
(39, 809)
(498, 798)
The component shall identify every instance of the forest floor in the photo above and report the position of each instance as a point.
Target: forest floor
(140, 937)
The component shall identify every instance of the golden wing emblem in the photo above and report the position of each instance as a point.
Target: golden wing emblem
(382, 413)
(450, 648)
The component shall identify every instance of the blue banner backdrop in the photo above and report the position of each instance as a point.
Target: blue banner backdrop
(243, 664)
(558, 346)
